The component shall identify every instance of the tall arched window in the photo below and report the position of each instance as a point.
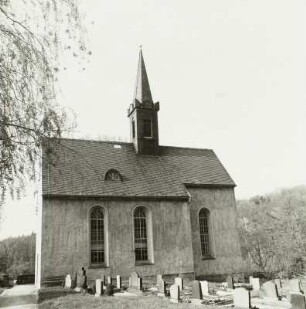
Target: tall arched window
(140, 234)
(97, 241)
(204, 231)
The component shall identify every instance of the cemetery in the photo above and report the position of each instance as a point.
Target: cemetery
(164, 291)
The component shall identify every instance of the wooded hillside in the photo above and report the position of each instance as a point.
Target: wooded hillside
(273, 231)
(17, 255)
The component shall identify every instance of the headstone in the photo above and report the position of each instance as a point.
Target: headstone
(99, 287)
(109, 280)
(270, 289)
(134, 279)
(230, 282)
(295, 285)
(196, 290)
(68, 281)
(139, 283)
(74, 280)
(161, 287)
(103, 279)
(179, 281)
(255, 282)
(278, 283)
(119, 283)
(174, 293)
(297, 301)
(242, 298)
(204, 287)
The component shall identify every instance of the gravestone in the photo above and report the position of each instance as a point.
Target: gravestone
(109, 280)
(109, 291)
(74, 280)
(179, 281)
(196, 293)
(99, 287)
(204, 287)
(68, 281)
(270, 290)
(242, 298)
(297, 301)
(255, 282)
(135, 281)
(278, 283)
(103, 279)
(174, 293)
(161, 287)
(230, 282)
(119, 282)
(295, 285)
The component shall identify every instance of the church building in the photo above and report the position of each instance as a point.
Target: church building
(115, 207)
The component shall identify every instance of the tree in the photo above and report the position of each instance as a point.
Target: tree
(34, 36)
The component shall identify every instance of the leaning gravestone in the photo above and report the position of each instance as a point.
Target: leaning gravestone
(295, 285)
(68, 281)
(270, 290)
(179, 281)
(174, 293)
(119, 282)
(230, 282)
(99, 287)
(297, 301)
(196, 293)
(242, 298)
(204, 287)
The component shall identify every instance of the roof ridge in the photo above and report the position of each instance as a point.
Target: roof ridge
(188, 148)
(93, 140)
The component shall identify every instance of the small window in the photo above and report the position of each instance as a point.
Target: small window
(147, 128)
(133, 128)
(113, 174)
(97, 254)
(204, 231)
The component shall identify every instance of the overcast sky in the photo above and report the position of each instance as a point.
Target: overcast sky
(229, 76)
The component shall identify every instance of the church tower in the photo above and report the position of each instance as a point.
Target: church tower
(143, 115)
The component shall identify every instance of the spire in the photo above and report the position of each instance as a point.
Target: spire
(142, 89)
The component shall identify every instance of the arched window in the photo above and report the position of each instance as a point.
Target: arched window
(97, 241)
(113, 174)
(204, 231)
(140, 234)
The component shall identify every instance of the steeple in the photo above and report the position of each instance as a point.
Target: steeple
(142, 88)
(143, 114)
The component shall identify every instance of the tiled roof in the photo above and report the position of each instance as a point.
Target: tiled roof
(78, 167)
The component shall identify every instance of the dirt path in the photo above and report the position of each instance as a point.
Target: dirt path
(19, 297)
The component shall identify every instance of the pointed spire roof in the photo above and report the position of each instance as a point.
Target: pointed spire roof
(142, 89)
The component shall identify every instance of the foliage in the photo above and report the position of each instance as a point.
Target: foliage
(272, 229)
(35, 35)
(17, 255)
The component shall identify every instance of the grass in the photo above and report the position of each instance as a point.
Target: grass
(79, 301)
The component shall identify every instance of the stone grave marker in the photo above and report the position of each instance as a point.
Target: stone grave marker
(230, 282)
(196, 293)
(134, 279)
(68, 281)
(174, 293)
(119, 282)
(255, 282)
(74, 280)
(297, 301)
(242, 298)
(179, 281)
(204, 287)
(295, 285)
(161, 287)
(270, 290)
(103, 279)
(99, 287)
(109, 280)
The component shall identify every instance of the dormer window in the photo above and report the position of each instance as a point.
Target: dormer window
(113, 175)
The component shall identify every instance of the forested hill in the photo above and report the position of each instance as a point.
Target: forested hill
(17, 255)
(272, 230)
